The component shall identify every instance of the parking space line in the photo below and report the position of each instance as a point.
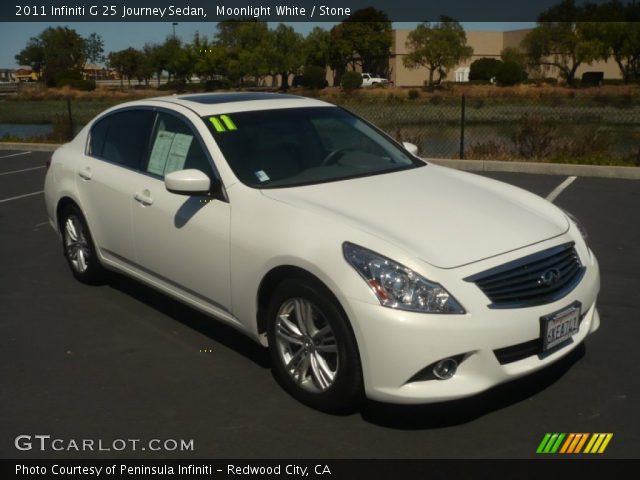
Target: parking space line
(23, 170)
(21, 196)
(560, 188)
(15, 154)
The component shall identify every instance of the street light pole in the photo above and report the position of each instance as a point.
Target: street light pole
(174, 29)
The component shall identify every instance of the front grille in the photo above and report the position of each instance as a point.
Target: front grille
(532, 280)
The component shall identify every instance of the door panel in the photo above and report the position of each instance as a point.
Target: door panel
(183, 240)
(106, 198)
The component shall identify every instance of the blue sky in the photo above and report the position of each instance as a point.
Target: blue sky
(118, 36)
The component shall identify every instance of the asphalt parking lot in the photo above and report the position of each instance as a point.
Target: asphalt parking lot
(122, 361)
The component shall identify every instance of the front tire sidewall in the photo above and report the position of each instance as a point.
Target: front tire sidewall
(94, 273)
(345, 393)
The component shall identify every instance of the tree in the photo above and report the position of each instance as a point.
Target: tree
(156, 58)
(368, 33)
(94, 48)
(362, 41)
(340, 52)
(33, 55)
(128, 63)
(180, 59)
(315, 48)
(619, 35)
(515, 55)
(58, 50)
(561, 40)
(210, 58)
(287, 54)
(438, 47)
(247, 44)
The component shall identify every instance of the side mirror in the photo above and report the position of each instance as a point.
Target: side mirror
(188, 182)
(411, 148)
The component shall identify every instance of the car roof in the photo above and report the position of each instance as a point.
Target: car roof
(227, 102)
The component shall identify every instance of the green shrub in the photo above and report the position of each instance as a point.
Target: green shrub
(612, 81)
(541, 81)
(535, 137)
(510, 73)
(484, 69)
(351, 80)
(217, 84)
(177, 85)
(314, 77)
(73, 79)
(477, 102)
(413, 94)
(61, 131)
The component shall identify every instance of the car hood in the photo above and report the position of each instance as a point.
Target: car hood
(443, 216)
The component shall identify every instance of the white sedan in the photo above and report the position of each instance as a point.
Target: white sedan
(365, 270)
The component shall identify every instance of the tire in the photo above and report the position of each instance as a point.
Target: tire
(313, 351)
(78, 247)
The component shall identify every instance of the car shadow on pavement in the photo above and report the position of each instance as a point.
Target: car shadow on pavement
(447, 414)
(214, 329)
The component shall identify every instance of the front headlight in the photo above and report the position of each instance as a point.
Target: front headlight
(583, 231)
(397, 286)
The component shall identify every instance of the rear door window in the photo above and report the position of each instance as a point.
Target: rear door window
(123, 137)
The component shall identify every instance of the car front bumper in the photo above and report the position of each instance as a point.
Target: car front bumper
(395, 345)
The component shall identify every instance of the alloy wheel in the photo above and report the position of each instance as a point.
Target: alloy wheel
(306, 345)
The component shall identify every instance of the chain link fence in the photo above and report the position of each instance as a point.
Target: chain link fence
(595, 130)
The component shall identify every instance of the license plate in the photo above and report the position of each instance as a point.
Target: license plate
(560, 326)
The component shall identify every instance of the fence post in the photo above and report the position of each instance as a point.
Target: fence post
(462, 120)
(70, 118)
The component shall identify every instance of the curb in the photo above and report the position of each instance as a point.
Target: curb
(602, 171)
(32, 147)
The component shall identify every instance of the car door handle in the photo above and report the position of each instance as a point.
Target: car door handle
(144, 197)
(85, 173)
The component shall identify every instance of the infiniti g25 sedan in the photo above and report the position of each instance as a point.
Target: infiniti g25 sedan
(365, 270)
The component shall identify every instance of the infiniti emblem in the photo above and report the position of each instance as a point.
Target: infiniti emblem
(550, 277)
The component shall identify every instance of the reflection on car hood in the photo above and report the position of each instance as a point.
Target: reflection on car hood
(445, 217)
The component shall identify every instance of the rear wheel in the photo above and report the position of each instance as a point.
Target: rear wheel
(78, 248)
(312, 348)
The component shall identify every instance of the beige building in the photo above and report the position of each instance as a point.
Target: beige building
(484, 44)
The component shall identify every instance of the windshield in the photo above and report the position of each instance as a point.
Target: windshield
(302, 146)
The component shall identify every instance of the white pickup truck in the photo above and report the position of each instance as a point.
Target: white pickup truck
(369, 80)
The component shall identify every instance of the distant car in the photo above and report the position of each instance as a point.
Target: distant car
(369, 80)
(362, 268)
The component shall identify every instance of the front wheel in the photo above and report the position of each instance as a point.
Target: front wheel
(312, 348)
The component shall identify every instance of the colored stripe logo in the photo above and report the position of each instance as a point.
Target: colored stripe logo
(574, 443)
(223, 123)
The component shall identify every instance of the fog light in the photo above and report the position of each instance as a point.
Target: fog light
(445, 369)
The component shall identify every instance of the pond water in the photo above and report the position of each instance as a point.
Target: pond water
(25, 130)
